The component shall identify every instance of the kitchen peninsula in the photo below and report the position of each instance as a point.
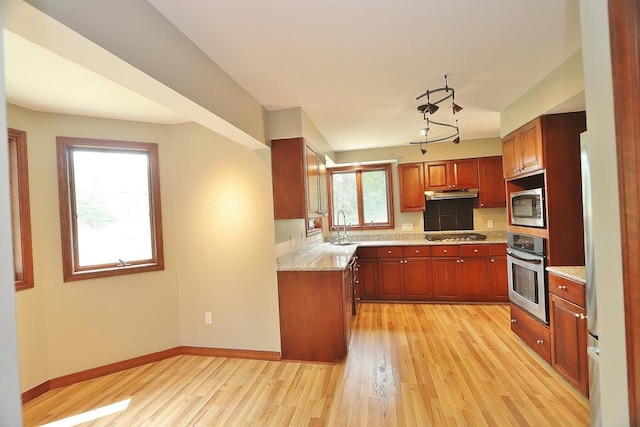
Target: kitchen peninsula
(320, 289)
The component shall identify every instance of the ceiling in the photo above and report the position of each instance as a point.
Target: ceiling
(355, 67)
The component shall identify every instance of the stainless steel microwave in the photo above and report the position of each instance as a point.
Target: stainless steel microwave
(527, 208)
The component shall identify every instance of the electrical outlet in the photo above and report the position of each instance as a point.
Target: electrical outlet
(490, 223)
(207, 317)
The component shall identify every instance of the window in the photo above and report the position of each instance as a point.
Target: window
(20, 212)
(109, 207)
(364, 194)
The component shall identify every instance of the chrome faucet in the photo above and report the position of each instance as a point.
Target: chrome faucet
(344, 224)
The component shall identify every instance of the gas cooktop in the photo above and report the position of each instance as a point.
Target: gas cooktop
(455, 237)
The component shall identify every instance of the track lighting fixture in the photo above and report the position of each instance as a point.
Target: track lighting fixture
(431, 108)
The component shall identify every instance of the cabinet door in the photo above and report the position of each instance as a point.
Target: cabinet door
(411, 177)
(390, 278)
(436, 176)
(445, 278)
(498, 278)
(531, 145)
(313, 194)
(473, 279)
(569, 342)
(510, 157)
(368, 277)
(492, 192)
(417, 279)
(464, 173)
(323, 207)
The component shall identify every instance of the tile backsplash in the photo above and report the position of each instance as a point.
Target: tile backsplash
(449, 215)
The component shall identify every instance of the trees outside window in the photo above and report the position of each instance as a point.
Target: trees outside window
(109, 207)
(364, 194)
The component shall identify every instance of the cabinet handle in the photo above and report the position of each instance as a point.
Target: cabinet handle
(461, 260)
(444, 251)
(417, 252)
(580, 316)
(539, 341)
(389, 252)
(475, 251)
(514, 320)
(493, 260)
(562, 288)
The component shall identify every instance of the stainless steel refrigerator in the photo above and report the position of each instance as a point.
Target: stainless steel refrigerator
(593, 348)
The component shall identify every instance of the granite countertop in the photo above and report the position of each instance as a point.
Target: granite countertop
(575, 273)
(328, 257)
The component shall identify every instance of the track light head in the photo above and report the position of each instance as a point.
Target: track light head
(456, 108)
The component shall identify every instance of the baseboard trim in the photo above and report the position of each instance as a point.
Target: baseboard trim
(143, 360)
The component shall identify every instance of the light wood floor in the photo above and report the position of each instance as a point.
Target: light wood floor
(408, 365)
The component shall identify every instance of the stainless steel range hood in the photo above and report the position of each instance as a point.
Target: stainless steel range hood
(451, 194)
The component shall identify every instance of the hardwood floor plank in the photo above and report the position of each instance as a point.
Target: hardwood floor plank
(408, 365)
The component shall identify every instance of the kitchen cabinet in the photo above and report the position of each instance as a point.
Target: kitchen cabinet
(411, 178)
(461, 273)
(444, 263)
(491, 185)
(558, 150)
(522, 150)
(533, 333)
(569, 331)
(368, 273)
(404, 273)
(315, 314)
(299, 183)
(498, 273)
(451, 174)
(473, 275)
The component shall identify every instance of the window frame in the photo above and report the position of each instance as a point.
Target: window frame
(387, 167)
(17, 143)
(68, 226)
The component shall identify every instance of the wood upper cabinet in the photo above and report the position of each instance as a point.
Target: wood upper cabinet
(522, 150)
(411, 177)
(569, 331)
(299, 183)
(451, 174)
(491, 186)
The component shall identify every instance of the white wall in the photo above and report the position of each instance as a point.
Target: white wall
(606, 212)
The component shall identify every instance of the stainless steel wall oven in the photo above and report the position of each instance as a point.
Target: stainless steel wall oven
(527, 276)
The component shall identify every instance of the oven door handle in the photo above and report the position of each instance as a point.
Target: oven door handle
(530, 261)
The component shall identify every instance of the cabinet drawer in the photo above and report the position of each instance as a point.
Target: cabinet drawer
(498, 249)
(416, 251)
(367, 253)
(389, 252)
(536, 335)
(445, 250)
(567, 289)
(474, 250)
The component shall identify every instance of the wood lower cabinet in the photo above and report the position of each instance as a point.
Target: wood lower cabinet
(315, 314)
(568, 320)
(498, 273)
(367, 274)
(404, 273)
(535, 334)
(461, 273)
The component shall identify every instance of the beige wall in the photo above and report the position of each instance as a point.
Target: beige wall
(224, 241)
(214, 202)
(562, 90)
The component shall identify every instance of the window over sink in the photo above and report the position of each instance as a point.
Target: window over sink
(364, 194)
